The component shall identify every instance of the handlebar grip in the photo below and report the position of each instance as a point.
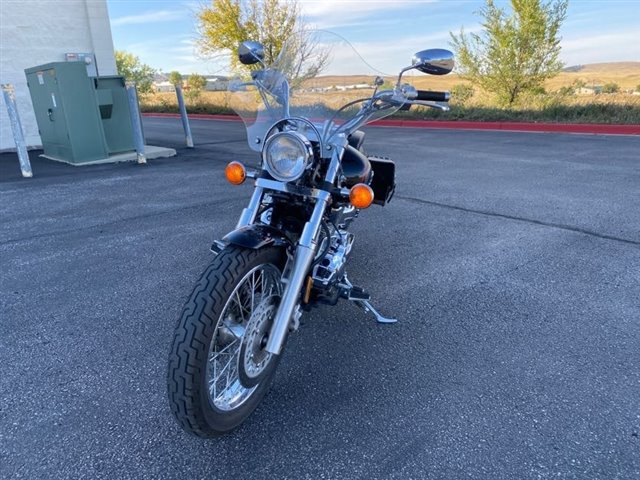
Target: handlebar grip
(426, 95)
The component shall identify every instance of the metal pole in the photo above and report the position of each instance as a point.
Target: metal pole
(183, 115)
(18, 137)
(136, 122)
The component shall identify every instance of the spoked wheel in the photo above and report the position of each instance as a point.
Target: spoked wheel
(219, 369)
(237, 358)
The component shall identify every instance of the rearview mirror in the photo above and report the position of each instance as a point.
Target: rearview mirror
(250, 52)
(435, 61)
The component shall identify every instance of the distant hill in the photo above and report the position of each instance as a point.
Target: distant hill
(625, 74)
(605, 67)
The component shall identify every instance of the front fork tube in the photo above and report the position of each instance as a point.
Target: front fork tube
(304, 255)
(305, 252)
(248, 215)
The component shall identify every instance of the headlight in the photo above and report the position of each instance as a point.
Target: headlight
(286, 155)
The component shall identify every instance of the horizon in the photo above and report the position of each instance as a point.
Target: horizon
(566, 69)
(163, 33)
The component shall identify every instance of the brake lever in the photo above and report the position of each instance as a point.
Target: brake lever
(390, 97)
(240, 87)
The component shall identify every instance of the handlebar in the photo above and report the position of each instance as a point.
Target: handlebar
(429, 96)
(401, 98)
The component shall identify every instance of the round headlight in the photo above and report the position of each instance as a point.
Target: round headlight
(286, 155)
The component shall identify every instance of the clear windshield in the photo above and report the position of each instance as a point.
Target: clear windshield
(319, 76)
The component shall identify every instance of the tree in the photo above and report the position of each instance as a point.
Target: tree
(461, 93)
(579, 83)
(516, 53)
(133, 70)
(224, 24)
(567, 91)
(175, 78)
(195, 84)
(610, 88)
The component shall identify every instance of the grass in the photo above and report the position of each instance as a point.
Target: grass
(607, 109)
(604, 113)
(619, 108)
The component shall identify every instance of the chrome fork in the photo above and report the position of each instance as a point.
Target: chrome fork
(303, 257)
(248, 215)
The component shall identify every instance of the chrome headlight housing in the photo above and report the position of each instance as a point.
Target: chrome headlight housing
(286, 155)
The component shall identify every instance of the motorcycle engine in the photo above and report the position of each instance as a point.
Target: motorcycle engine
(330, 269)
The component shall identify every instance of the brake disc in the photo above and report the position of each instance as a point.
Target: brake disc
(254, 358)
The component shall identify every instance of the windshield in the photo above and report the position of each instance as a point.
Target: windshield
(319, 76)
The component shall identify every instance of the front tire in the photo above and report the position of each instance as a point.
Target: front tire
(219, 341)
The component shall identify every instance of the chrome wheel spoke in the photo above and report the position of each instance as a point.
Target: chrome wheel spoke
(222, 351)
(253, 290)
(213, 361)
(244, 307)
(239, 305)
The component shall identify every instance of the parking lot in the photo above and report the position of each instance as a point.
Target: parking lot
(512, 261)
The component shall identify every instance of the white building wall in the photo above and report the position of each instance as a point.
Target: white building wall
(34, 32)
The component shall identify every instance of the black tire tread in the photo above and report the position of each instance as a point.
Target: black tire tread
(190, 344)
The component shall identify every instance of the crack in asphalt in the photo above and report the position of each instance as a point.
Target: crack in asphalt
(487, 213)
(532, 221)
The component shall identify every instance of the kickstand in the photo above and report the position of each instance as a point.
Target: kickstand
(367, 307)
(363, 302)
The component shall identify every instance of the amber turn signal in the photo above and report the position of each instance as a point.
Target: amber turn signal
(361, 195)
(235, 173)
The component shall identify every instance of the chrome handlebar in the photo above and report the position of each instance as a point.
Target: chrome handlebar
(401, 95)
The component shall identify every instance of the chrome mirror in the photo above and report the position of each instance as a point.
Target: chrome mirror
(435, 61)
(250, 52)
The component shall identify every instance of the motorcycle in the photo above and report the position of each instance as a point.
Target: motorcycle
(290, 248)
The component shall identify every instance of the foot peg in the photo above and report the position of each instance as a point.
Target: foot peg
(357, 293)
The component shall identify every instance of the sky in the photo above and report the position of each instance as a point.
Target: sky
(386, 33)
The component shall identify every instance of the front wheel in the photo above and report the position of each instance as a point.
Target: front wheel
(219, 369)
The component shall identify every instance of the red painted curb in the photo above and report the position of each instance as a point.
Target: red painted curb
(197, 116)
(592, 128)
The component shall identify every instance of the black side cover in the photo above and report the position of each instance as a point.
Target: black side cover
(355, 167)
(384, 179)
(356, 139)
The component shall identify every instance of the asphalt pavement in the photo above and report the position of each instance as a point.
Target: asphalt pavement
(512, 261)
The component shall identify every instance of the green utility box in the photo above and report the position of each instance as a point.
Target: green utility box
(111, 93)
(80, 119)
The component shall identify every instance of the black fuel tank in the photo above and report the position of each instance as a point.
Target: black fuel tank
(355, 167)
